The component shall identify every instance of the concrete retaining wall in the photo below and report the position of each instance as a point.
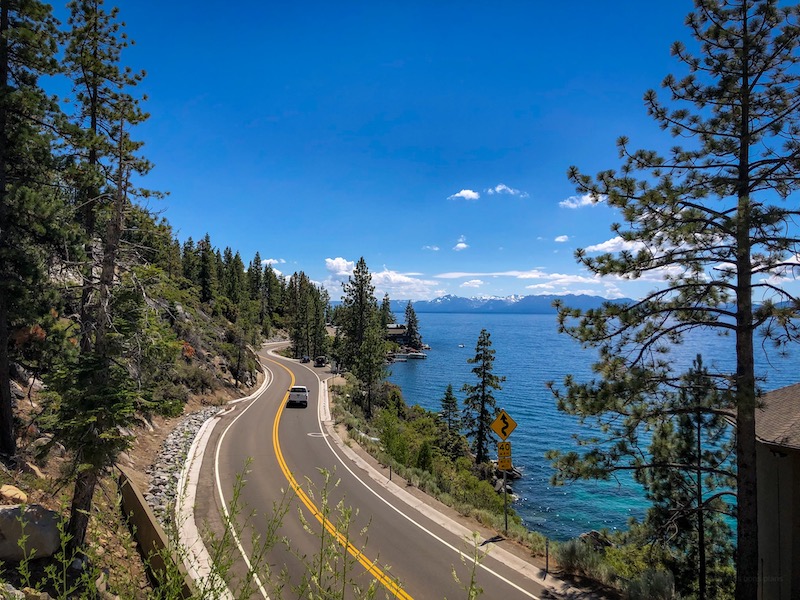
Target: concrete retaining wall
(153, 542)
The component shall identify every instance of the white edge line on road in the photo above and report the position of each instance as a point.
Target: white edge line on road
(432, 514)
(197, 560)
(222, 497)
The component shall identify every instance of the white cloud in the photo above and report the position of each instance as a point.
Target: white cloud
(502, 188)
(532, 274)
(399, 286)
(616, 244)
(472, 283)
(340, 267)
(432, 248)
(461, 244)
(581, 201)
(784, 273)
(402, 286)
(466, 195)
(562, 238)
(273, 261)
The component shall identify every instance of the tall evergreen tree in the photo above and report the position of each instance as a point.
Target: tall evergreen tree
(103, 393)
(480, 405)
(370, 361)
(92, 60)
(708, 215)
(190, 261)
(28, 212)
(301, 292)
(451, 418)
(357, 310)
(254, 278)
(319, 330)
(237, 288)
(387, 316)
(690, 472)
(450, 413)
(413, 336)
(206, 268)
(273, 291)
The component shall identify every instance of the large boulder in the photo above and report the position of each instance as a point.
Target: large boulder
(12, 493)
(40, 525)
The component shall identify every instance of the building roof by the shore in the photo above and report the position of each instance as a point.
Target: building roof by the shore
(778, 419)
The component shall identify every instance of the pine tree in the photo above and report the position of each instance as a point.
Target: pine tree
(370, 361)
(357, 310)
(451, 418)
(92, 60)
(319, 329)
(232, 284)
(254, 278)
(103, 395)
(413, 337)
(689, 474)
(387, 316)
(29, 212)
(450, 413)
(707, 216)
(206, 268)
(273, 292)
(300, 302)
(190, 261)
(480, 405)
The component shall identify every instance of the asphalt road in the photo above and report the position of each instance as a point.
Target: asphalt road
(265, 467)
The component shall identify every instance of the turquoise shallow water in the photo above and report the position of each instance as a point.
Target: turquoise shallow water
(530, 352)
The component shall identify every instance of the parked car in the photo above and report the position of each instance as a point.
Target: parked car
(320, 361)
(298, 396)
(305, 359)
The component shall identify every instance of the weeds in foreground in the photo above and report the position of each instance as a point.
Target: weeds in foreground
(472, 588)
(332, 573)
(53, 575)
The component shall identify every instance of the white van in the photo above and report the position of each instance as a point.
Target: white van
(298, 396)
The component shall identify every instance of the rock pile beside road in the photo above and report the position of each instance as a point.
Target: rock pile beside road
(165, 472)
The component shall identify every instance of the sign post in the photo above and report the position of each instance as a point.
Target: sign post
(503, 425)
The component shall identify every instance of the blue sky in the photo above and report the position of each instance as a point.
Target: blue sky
(431, 138)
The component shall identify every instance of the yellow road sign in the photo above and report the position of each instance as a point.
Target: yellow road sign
(503, 449)
(503, 425)
(504, 464)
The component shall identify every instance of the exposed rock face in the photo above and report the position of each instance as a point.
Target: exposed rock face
(40, 525)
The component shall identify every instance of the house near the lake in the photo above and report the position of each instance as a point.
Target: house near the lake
(778, 464)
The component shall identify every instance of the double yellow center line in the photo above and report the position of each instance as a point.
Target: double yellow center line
(370, 565)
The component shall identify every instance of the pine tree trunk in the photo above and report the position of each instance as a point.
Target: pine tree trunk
(8, 445)
(747, 489)
(80, 510)
(701, 528)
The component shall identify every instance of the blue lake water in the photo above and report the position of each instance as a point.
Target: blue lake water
(529, 353)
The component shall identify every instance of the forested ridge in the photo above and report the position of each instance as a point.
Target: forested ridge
(101, 306)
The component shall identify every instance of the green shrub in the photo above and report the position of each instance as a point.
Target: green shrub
(194, 377)
(652, 585)
(579, 558)
(169, 398)
(631, 560)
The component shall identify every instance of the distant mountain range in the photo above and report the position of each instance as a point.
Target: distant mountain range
(507, 305)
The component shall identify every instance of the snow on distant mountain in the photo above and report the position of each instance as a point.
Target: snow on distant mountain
(508, 305)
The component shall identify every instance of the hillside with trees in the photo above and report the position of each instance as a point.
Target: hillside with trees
(102, 309)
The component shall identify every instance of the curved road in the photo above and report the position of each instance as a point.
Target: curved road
(281, 455)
